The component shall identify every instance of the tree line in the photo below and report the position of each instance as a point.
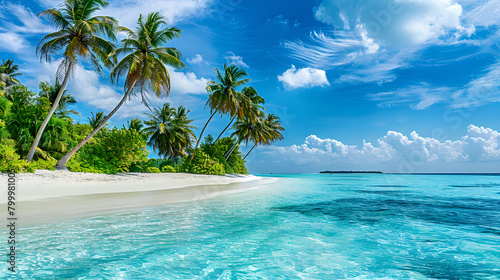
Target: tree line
(36, 131)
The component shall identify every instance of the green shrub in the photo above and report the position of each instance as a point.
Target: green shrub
(153, 170)
(48, 164)
(168, 169)
(10, 161)
(115, 152)
(202, 164)
(234, 163)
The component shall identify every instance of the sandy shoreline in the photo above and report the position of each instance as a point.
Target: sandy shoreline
(58, 195)
(45, 184)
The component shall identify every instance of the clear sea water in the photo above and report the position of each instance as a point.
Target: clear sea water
(346, 226)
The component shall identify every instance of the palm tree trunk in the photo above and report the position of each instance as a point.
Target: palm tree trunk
(232, 120)
(249, 151)
(228, 154)
(38, 136)
(201, 134)
(61, 164)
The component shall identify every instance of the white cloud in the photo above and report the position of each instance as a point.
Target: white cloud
(88, 90)
(279, 19)
(127, 11)
(477, 92)
(13, 42)
(480, 91)
(185, 83)
(483, 14)
(234, 59)
(197, 59)
(327, 50)
(394, 22)
(478, 145)
(30, 23)
(303, 78)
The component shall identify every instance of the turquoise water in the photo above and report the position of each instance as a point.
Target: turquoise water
(366, 226)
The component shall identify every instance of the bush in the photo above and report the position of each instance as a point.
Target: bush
(168, 169)
(115, 152)
(141, 166)
(153, 170)
(48, 164)
(10, 161)
(235, 163)
(202, 164)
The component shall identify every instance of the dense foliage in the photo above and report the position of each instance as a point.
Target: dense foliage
(37, 130)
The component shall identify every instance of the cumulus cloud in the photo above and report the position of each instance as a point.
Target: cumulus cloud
(303, 78)
(89, 91)
(394, 22)
(478, 145)
(279, 19)
(234, 59)
(197, 59)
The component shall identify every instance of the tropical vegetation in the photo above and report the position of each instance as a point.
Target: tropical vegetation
(38, 129)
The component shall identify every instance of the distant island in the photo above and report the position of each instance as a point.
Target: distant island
(328, 171)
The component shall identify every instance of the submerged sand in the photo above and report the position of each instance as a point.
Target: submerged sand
(48, 196)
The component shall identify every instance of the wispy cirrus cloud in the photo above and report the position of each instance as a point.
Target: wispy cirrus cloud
(13, 42)
(372, 39)
(29, 22)
(477, 92)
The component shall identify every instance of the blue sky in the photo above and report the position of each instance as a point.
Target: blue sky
(391, 85)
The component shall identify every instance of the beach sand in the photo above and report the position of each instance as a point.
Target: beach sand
(51, 196)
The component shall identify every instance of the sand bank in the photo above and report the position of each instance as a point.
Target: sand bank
(58, 195)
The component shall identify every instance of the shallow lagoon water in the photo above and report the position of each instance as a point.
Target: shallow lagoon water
(342, 226)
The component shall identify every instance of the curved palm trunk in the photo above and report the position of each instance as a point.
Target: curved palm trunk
(201, 134)
(232, 120)
(230, 152)
(61, 164)
(38, 136)
(249, 151)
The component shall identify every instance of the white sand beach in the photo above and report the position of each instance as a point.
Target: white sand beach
(56, 195)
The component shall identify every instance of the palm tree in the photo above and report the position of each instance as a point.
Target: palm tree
(270, 132)
(51, 92)
(135, 124)
(79, 35)
(96, 119)
(255, 102)
(170, 131)
(8, 74)
(143, 66)
(262, 131)
(245, 130)
(224, 98)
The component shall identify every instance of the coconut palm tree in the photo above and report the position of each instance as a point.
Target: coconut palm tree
(170, 131)
(143, 65)
(51, 92)
(245, 130)
(135, 124)
(96, 119)
(224, 97)
(80, 34)
(270, 132)
(255, 106)
(8, 74)
(263, 131)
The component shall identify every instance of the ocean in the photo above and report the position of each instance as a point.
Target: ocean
(300, 226)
